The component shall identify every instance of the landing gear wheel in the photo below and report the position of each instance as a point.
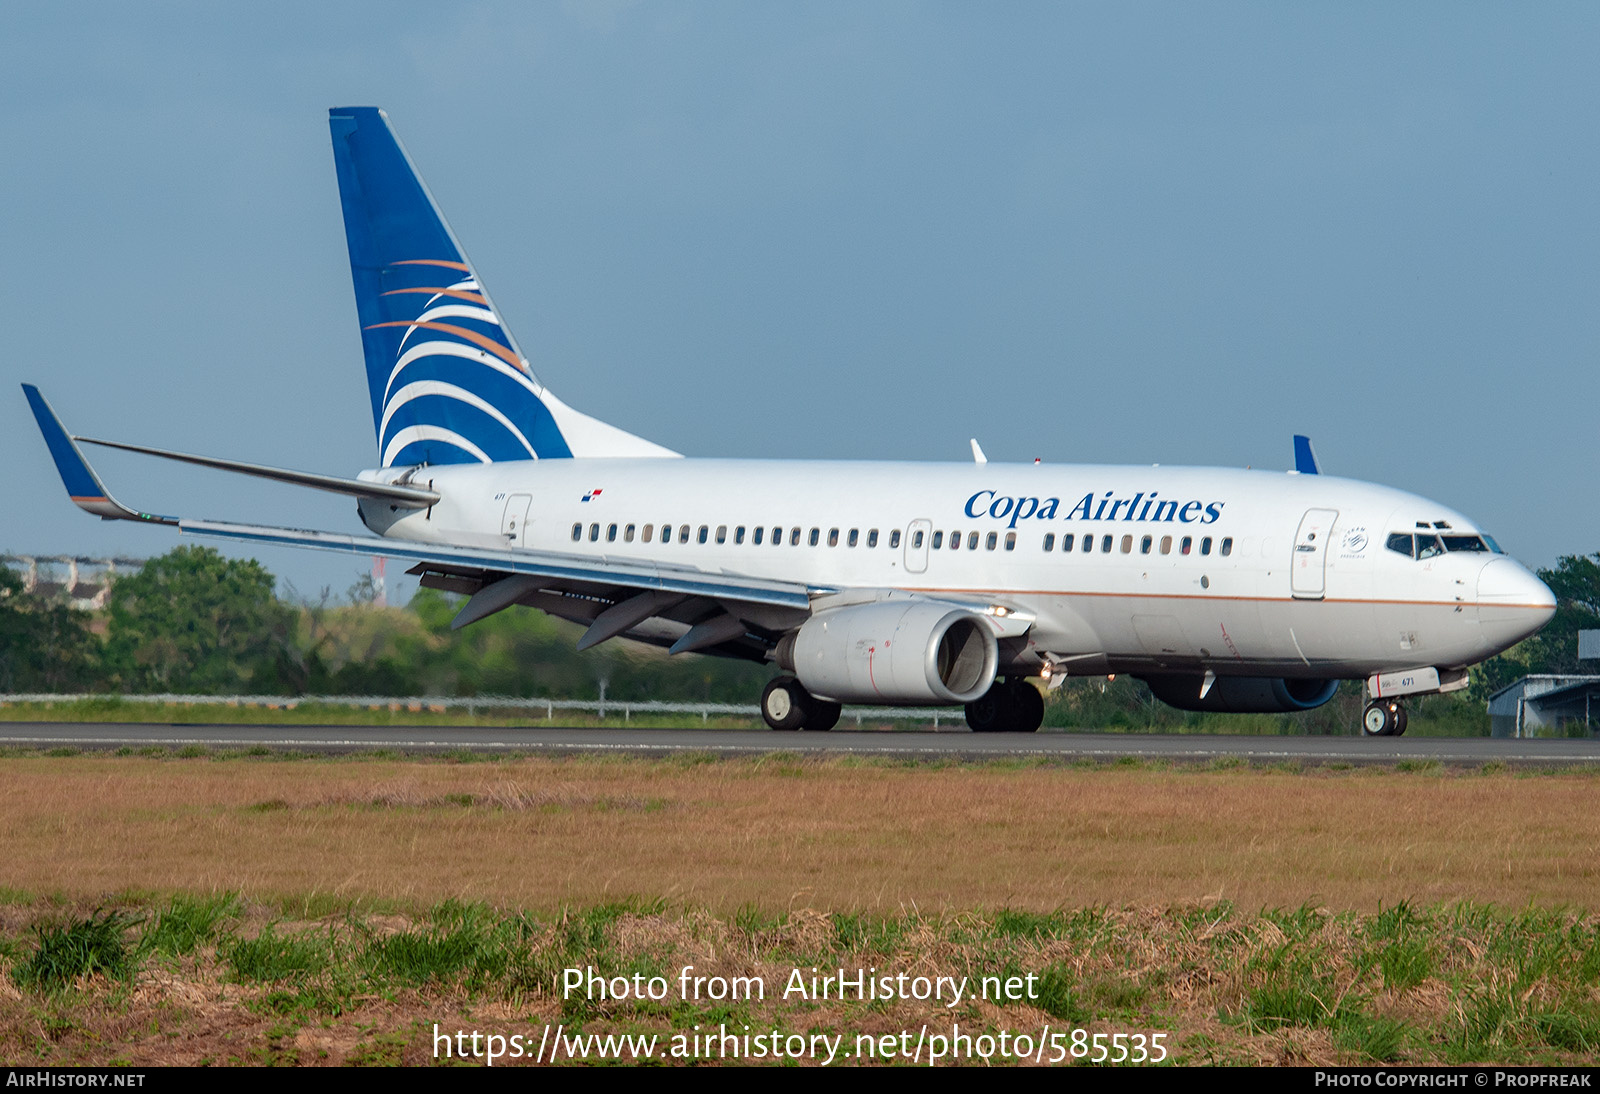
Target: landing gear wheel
(1385, 718)
(987, 713)
(1010, 706)
(784, 703)
(824, 715)
(1027, 706)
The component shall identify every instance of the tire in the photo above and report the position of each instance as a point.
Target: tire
(1027, 706)
(1380, 719)
(824, 715)
(784, 703)
(1399, 722)
(988, 713)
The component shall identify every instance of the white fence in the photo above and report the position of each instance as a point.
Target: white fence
(603, 708)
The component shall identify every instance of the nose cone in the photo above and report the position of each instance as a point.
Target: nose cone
(1512, 603)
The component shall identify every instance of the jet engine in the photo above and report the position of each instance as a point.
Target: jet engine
(1242, 694)
(911, 652)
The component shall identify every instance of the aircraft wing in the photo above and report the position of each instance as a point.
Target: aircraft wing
(681, 607)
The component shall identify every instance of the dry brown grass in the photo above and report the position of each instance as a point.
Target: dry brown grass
(780, 833)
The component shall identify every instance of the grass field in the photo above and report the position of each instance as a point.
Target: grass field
(305, 910)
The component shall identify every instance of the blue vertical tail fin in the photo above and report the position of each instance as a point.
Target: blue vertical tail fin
(447, 381)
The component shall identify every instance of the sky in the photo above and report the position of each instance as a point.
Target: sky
(1097, 233)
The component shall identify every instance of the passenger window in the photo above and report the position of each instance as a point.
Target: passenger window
(990, 541)
(955, 541)
(872, 538)
(627, 534)
(1205, 546)
(816, 536)
(722, 533)
(894, 537)
(1127, 544)
(577, 533)
(938, 540)
(1105, 545)
(755, 535)
(704, 533)
(855, 534)
(833, 537)
(1227, 546)
(738, 535)
(1088, 544)
(916, 539)
(1144, 545)
(1184, 545)
(648, 528)
(777, 537)
(794, 537)
(1066, 542)
(1011, 541)
(611, 534)
(1400, 542)
(1166, 545)
(683, 532)
(972, 541)
(1050, 542)
(594, 533)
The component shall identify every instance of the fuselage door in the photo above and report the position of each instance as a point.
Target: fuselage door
(1306, 568)
(513, 525)
(917, 546)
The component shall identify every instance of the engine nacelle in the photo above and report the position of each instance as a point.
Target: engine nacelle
(913, 652)
(1242, 694)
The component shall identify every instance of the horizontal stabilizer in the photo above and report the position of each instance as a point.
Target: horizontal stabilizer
(413, 496)
(83, 485)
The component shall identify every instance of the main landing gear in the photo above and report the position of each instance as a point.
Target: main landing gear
(1383, 718)
(787, 705)
(1011, 706)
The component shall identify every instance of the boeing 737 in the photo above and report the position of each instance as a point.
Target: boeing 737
(886, 583)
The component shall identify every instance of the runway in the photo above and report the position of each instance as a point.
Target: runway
(952, 744)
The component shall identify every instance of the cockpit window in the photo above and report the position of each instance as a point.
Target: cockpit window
(1423, 545)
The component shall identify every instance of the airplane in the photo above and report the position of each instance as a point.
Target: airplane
(860, 582)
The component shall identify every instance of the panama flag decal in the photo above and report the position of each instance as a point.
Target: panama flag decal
(591, 495)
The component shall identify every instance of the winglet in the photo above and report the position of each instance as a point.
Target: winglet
(1305, 457)
(83, 485)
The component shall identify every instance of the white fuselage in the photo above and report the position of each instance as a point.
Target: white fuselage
(1246, 573)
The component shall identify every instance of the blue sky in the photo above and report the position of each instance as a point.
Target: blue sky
(1159, 233)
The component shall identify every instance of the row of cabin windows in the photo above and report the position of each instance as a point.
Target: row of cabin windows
(758, 535)
(852, 538)
(1185, 544)
(990, 541)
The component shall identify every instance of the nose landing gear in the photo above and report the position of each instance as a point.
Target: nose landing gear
(1383, 718)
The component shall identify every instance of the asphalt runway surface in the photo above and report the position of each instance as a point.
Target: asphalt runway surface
(954, 743)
